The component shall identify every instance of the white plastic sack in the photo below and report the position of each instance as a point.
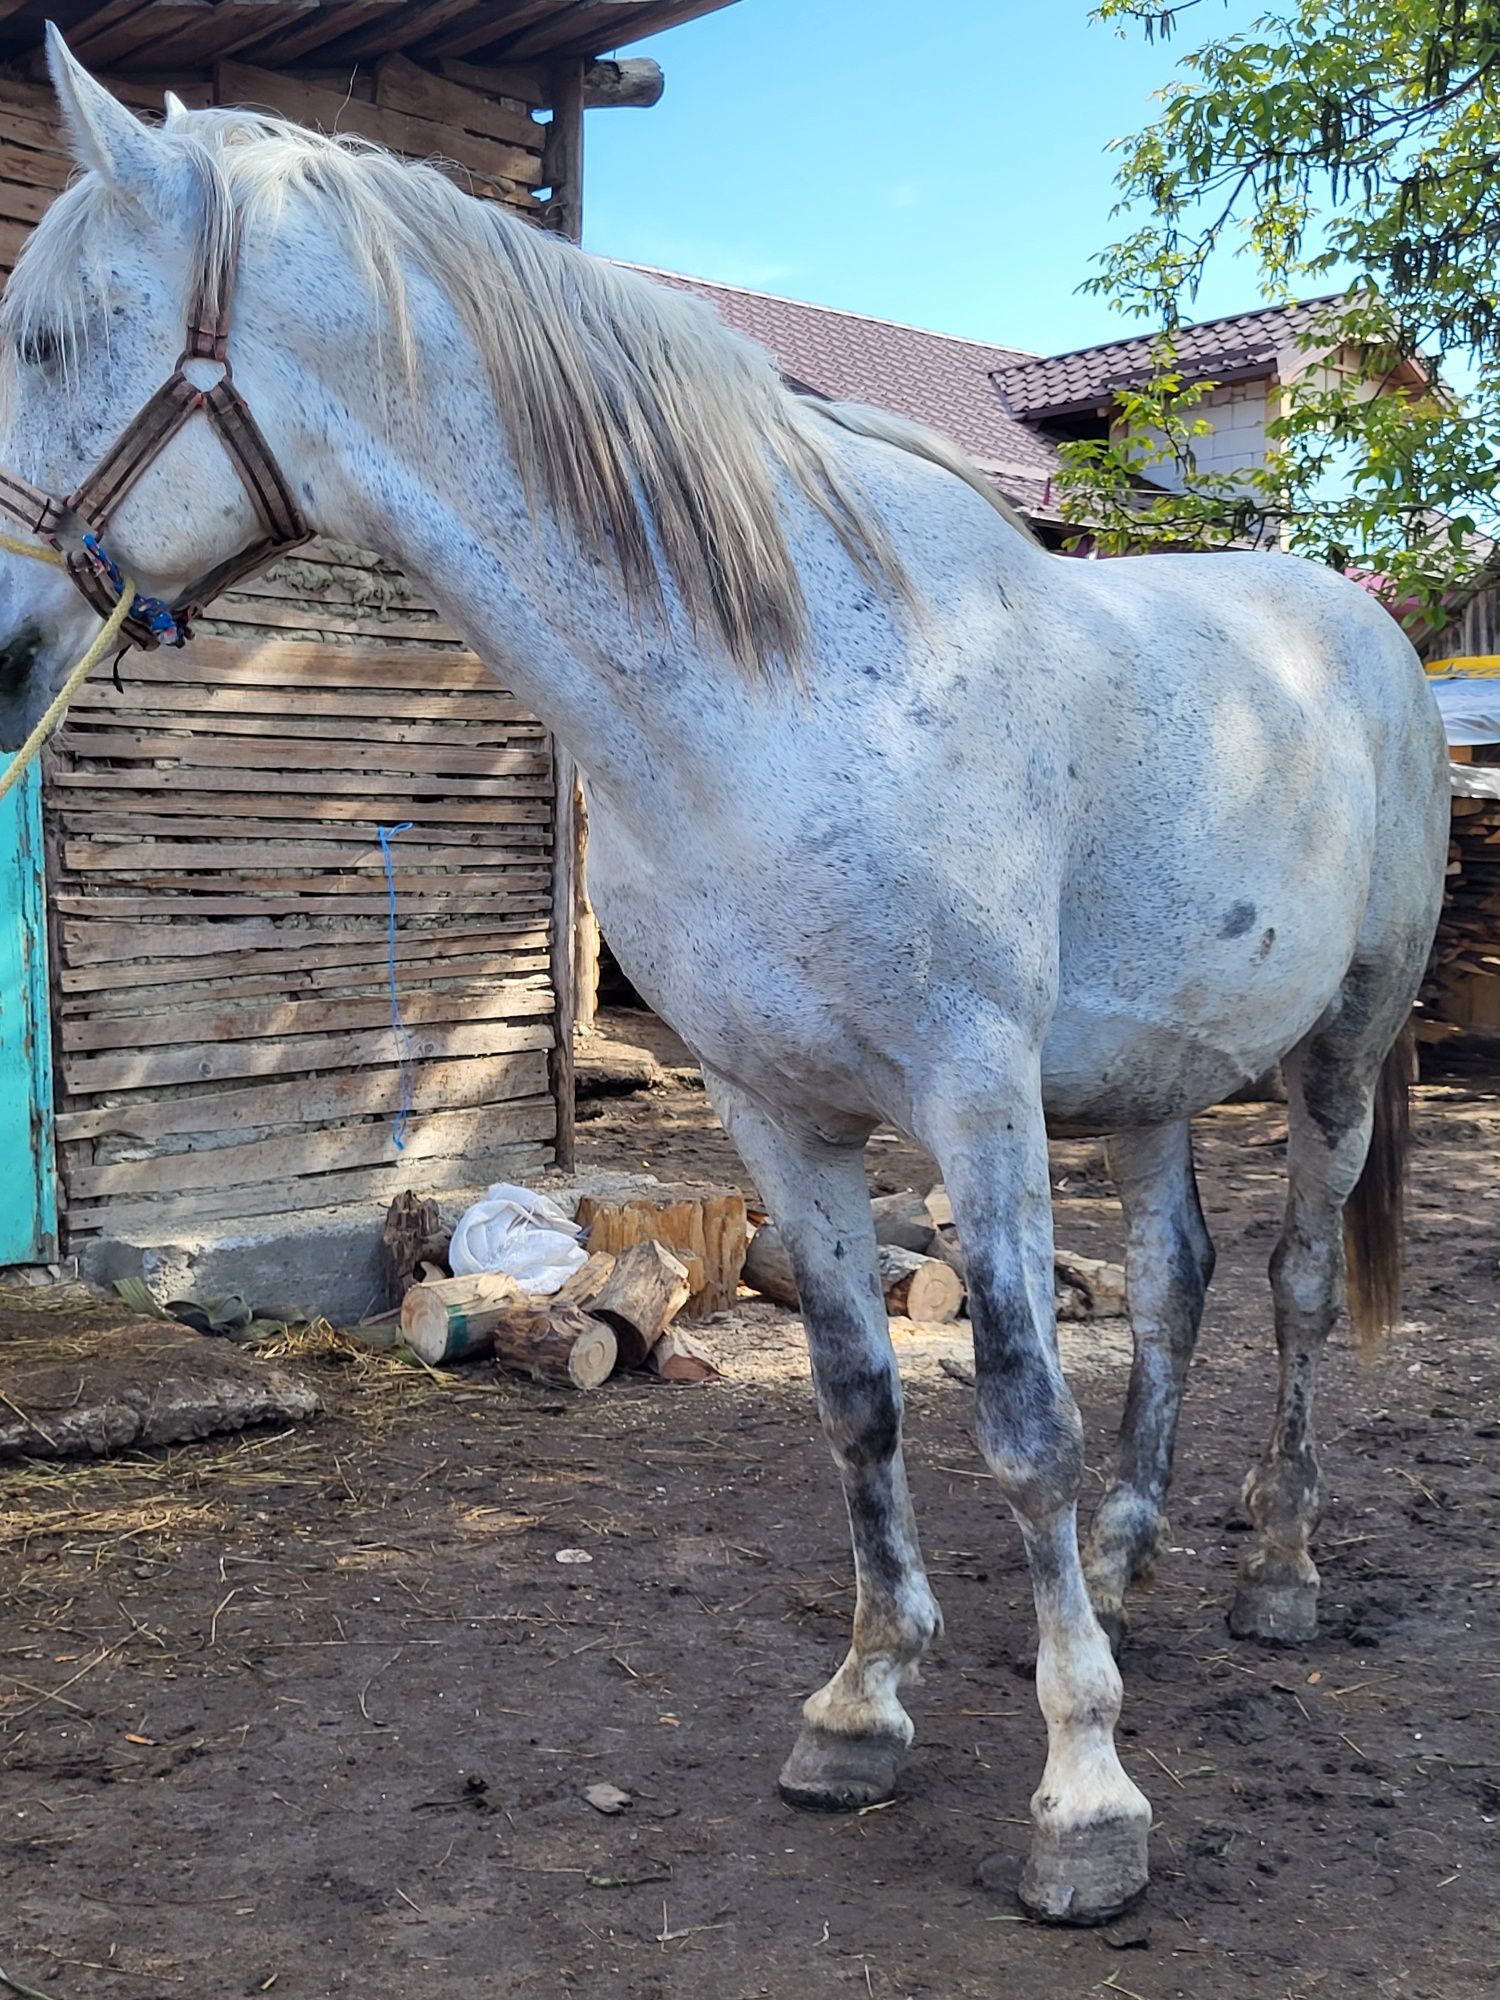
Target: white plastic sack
(522, 1234)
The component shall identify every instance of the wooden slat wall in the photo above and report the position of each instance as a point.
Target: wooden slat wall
(222, 1013)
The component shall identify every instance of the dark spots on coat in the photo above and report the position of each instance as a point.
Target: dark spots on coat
(1003, 595)
(1237, 920)
(1268, 938)
(1029, 1427)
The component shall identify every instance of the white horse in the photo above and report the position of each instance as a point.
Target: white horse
(899, 816)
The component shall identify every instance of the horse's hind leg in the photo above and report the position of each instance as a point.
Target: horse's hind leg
(1337, 1079)
(855, 1731)
(1168, 1263)
(1088, 1850)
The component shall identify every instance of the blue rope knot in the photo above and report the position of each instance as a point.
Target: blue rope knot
(406, 1062)
(152, 612)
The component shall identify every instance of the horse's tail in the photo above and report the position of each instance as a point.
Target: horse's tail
(1374, 1217)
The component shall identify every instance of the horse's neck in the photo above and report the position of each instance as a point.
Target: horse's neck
(432, 486)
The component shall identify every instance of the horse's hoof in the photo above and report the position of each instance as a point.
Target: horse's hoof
(1086, 1875)
(827, 1772)
(1278, 1614)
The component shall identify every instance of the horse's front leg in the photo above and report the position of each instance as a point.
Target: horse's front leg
(854, 1731)
(1088, 1850)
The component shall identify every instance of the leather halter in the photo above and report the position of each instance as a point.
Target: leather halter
(75, 526)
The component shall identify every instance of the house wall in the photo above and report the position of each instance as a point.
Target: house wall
(1238, 413)
(220, 971)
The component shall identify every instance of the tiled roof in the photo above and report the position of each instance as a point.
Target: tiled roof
(1038, 386)
(935, 378)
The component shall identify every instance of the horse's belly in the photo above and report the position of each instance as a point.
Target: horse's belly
(1106, 1070)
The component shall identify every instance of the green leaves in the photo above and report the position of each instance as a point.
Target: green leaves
(1333, 134)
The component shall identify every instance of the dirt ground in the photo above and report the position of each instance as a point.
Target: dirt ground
(312, 1712)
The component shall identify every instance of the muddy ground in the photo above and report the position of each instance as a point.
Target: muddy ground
(312, 1713)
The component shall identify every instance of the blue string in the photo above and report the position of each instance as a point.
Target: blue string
(406, 1066)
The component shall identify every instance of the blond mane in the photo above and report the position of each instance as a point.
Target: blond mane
(654, 434)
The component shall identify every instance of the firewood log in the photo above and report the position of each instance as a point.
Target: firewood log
(640, 1298)
(919, 1287)
(902, 1219)
(922, 1288)
(459, 1319)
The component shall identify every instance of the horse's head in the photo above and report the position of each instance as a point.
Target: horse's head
(91, 326)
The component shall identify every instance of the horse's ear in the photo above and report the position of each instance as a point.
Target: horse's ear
(175, 108)
(104, 135)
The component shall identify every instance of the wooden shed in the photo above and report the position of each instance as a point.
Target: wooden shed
(204, 1040)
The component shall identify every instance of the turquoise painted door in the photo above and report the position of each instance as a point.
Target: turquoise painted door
(28, 1196)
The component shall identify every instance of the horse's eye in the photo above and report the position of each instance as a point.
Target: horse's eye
(39, 347)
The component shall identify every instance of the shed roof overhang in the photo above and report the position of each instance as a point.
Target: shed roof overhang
(168, 36)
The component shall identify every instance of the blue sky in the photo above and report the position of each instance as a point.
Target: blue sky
(944, 166)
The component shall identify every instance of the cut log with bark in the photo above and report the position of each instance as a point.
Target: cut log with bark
(641, 1297)
(455, 1319)
(1088, 1287)
(560, 1344)
(921, 1288)
(677, 1357)
(413, 1231)
(587, 1282)
(914, 1286)
(902, 1219)
(461, 1319)
(705, 1227)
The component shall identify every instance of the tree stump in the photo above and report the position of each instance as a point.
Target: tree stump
(705, 1227)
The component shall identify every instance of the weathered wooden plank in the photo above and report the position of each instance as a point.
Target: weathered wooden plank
(453, 732)
(39, 170)
(92, 941)
(299, 953)
(293, 663)
(386, 760)
(20, 203)
(214, 983)
(467, 704)
(224, 1020)
(522, 81)
(360, 1093)
(402, 85)
(371, 1186)
(164, 906)
(300, 1156)
(146, 1069)
(304, 621)
(518, 823)
(417, 138)
(523, 801)
(404, 791)
(425, 891)
(145, 857)
(303, 1155)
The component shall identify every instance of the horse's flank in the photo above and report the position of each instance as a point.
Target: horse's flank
(655, 435)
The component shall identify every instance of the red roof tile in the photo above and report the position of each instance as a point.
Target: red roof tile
(934, 378)
(1037, 386)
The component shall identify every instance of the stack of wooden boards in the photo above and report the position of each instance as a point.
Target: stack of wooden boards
(1462, 992)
